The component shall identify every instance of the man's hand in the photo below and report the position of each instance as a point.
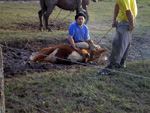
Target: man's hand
(114, 24)
(89, 41)
(131, 27)
(76, 48)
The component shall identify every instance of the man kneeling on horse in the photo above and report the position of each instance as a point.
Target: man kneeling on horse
(79, 37)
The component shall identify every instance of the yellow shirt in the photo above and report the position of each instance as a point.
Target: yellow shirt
(125, 5)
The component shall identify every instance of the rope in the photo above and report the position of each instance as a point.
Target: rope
(68, 14)
(13, 48)
(90, 65)
(102, 68)
(70, 11)
(26, 44)
(26, 104)
(58, 14)
(105, 35)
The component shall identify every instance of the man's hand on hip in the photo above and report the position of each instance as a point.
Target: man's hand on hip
(131, 27)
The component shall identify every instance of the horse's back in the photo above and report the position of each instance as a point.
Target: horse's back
(67, 4)
(70, 4)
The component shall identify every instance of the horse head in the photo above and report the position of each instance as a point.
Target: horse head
(97, 51)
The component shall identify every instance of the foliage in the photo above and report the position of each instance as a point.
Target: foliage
(139, 1)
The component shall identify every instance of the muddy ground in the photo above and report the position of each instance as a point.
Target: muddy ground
(16, 61)
(16, 58)
(55, 25)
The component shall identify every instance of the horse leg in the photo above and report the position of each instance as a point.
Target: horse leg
(41, 13)
(50, 8)
(46, 16)
(41, 20)
(77, 11)
(79, 6)
(86, 13)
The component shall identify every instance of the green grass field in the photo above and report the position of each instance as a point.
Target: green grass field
(76, 89)
(80, 90)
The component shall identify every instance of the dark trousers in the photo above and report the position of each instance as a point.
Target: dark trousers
(121, 43)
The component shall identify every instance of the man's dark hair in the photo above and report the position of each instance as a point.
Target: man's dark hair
(80, 14)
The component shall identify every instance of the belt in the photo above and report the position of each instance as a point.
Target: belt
(122, 23)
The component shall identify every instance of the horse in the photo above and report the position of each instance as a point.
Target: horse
(64, 54)
(47, 7)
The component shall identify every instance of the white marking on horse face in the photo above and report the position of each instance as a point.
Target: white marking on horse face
(33, 55)
(104, 58)
(75, 56)
(51, 57)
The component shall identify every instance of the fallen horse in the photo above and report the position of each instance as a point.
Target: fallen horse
(65, 54)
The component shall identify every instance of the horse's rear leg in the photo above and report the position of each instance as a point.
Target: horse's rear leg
(46, 16)
(41, 20)
(86, 13)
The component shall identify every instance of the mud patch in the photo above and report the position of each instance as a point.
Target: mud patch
(54, 25)
(16, 60)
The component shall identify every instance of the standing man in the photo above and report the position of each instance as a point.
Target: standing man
(125, 13)
(78, 33)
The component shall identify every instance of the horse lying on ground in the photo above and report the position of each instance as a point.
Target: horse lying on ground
(47, 7)
(64, 54)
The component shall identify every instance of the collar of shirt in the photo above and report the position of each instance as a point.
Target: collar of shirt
(78, 25)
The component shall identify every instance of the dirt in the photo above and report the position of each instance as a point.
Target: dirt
(55, 25)
(16, 61)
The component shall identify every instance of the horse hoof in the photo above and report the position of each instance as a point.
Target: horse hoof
(50, 30)
(41, 29)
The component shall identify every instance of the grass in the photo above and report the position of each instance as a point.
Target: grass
(22, 13)
(76, 90)
(81, 89)
(138, 1)
(102, 13)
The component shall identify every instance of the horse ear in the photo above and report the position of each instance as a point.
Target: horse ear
(106, 50)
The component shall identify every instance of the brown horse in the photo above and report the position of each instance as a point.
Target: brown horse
(47, 7)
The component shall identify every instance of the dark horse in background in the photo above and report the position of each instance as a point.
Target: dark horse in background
(47, 7)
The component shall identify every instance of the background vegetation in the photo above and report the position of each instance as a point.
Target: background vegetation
(99, 0)
(138, 1)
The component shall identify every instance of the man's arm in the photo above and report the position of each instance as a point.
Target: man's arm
(72, 42)
(131, 20)
(89, 40)
(116, 11)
